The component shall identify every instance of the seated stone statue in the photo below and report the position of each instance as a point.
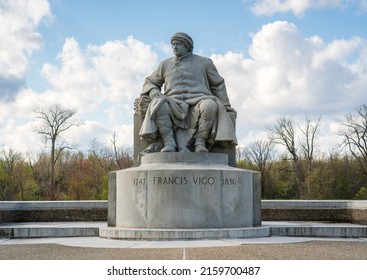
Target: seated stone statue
(184, 103)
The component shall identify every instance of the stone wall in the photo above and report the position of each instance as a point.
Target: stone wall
(272, 210)
(52, 211)
(315, 210)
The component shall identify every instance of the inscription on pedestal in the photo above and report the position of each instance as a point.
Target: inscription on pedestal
(180, 180)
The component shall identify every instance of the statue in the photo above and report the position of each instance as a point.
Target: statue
(184, 175)
(184, 103)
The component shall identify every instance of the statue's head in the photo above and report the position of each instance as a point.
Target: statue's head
(181, 43)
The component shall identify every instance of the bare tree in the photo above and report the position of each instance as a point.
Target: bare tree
(55, 120)
(101, 154)
(122, 154)
(283, 133)
(240, 153)
(260, 153)
(308, 145)
(117, 157)
(115, 149)
(354, 133)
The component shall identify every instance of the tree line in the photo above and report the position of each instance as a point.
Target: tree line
(60, 172)
(297, 171)
(77, 175)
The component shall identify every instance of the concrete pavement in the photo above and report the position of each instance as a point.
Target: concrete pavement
(80, 240)
(81, 248)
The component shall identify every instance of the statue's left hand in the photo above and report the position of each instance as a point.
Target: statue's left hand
(231, 111)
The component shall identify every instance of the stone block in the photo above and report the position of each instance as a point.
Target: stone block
(184, 191)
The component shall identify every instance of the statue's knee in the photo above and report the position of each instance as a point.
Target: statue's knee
(163, 109)
(208, 108)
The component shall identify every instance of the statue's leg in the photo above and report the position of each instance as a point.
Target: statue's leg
(207, 111)
(164, 124)
(182, 139)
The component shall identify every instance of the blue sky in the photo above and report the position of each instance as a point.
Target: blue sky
(278, 57)
(220, 25)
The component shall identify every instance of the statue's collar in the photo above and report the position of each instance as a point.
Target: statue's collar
(178, 59)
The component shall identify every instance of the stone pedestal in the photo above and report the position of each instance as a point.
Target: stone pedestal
(184, 195)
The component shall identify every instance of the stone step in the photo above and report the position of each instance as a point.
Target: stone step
(323, 231)
(47, 230)
(286, 229)
(172, 234)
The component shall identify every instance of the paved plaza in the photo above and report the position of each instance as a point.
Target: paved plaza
(264, 248)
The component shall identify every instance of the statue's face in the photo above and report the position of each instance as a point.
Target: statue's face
(179, 49)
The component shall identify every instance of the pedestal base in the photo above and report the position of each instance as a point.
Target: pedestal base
(183, 195)
(172, 234)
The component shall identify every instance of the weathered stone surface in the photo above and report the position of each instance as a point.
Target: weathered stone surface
(185, 190)
(185, 103)
(163, 234)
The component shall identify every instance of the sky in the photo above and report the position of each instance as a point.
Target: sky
(280, 58)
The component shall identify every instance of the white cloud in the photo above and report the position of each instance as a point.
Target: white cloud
(19, 21)
(84, 134)
(100, 83)
(110, 72)
(19, 136)
(76, 82)
(287, 74)
(338, 51)
(122, 66)
(165, 48)
(124, 134)
(283, 74)
(297, 7)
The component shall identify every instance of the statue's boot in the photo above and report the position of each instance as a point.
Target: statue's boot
(164, 125)
(202, 135)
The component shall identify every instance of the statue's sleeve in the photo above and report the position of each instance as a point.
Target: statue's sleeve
(217, 84)
(154, 82)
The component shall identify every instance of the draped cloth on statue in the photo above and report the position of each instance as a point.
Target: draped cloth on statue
(184, 115)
